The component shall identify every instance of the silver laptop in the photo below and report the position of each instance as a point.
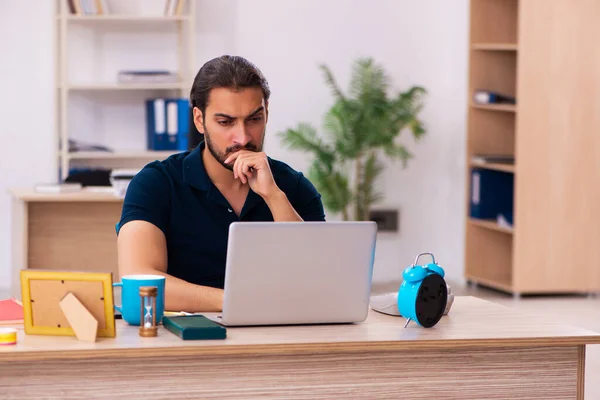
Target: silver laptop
(284, 273)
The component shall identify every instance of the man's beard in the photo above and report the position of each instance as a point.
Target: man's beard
(221, 157)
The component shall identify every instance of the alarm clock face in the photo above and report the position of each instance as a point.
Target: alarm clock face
(431, 300)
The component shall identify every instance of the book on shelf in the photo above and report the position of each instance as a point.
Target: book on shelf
(147, 76)
(490, 97)
(493, 158)
(101, 7)
(174, 7)
(88, 7)
(77, 146)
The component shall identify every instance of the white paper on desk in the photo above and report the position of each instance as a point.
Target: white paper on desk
(57, 187)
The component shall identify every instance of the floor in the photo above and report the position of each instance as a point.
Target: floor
(583, 311)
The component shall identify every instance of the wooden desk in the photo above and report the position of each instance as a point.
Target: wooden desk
(63, 231)
(480, 351)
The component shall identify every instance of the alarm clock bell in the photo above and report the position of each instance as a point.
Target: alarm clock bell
(423, 294)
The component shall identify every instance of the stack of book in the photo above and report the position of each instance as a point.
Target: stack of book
(490, 97)
(88, 7)
(147, 76)
(493, 158)
(101, 7)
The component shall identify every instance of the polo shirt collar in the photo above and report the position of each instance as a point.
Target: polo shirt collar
(194, 172)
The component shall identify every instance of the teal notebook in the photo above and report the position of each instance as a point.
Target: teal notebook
(194, 327)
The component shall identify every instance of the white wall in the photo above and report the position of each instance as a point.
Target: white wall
(418, 42)
(26, 106)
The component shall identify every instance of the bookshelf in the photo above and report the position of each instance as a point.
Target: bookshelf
(494, 166)
(544, 53)
(495, 107)
(123, 18)
(98, 155)
(489, 225)
(495, 46)
(93, 106)
(127, 87)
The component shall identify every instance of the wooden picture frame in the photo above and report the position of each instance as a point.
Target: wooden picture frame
(42, 292)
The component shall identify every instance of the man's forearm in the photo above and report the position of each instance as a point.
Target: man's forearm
(281, 208)
(184, 296)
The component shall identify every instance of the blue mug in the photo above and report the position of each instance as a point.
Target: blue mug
(130, 296)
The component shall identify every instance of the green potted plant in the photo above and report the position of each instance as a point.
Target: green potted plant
(360, 128)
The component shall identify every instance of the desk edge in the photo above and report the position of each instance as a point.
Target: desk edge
(296, 348)
(84, 196)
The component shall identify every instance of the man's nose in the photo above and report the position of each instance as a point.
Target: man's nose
(241, 135)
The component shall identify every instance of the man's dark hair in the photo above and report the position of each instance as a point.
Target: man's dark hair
(231, 72)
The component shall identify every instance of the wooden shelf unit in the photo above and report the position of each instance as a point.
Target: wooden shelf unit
(494, 166)
(184, 50)
(496, 107)
(495, 46)
(551, 132)
(102, 155)
(489, 224)
(124, 86)
(121, 18)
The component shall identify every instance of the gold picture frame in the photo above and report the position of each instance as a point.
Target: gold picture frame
(42, 291)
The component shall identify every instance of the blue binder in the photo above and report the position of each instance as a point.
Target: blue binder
(172, 124)
(178, 123)
(156, 124)
(491, 194)
(184, 116)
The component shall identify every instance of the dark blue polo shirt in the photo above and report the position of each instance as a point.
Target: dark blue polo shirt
(179, 198)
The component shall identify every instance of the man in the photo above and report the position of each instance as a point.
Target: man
(176, 213)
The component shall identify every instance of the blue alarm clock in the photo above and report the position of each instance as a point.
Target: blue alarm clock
(423, 294)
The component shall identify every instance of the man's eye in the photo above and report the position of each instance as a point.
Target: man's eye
(256, 119)
(224, 122)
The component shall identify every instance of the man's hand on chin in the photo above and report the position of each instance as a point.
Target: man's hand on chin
(252, 168)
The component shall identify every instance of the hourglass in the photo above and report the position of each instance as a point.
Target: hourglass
(148, 311)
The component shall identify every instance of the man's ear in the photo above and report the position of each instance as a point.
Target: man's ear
(198, 119)
(266, 111)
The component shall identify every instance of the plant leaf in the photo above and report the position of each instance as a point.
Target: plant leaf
(407, 106)
(367, 195)
(304, 137)
(333, 187)
(397, 151)
(338, 123)
(369, 83)
(331, 82)
(358, 127)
